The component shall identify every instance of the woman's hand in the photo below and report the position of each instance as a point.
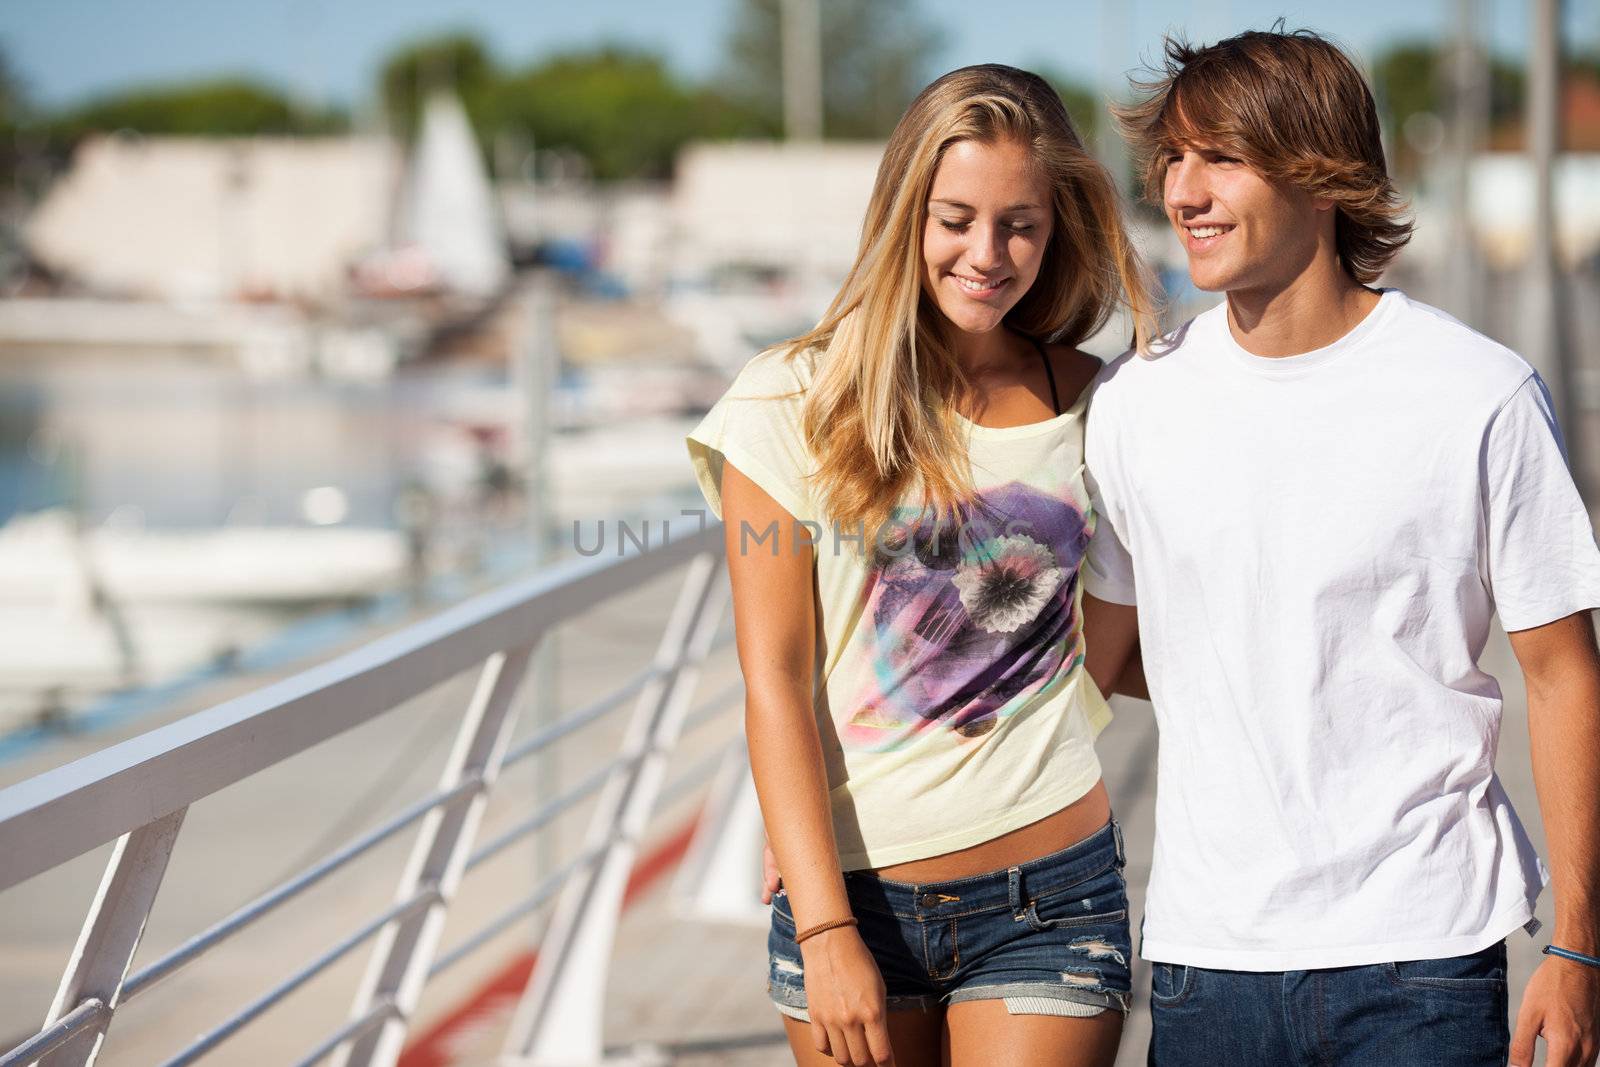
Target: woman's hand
(845, 998)
(771, 878)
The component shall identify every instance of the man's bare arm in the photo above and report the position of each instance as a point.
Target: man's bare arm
(1562, 668)
(1111, 652)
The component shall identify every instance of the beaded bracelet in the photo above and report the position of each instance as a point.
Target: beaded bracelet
(1576, 957)
(834, 924)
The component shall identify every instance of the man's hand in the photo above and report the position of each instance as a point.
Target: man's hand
(771, 880)
(1561, 1003)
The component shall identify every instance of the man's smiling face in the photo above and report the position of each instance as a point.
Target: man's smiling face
(1240, 230)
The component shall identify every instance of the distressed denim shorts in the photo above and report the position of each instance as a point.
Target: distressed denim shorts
(1049, 937)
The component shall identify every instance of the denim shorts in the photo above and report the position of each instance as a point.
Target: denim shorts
(1049, 937)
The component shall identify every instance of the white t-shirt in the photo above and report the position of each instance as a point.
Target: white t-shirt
(1318, 543)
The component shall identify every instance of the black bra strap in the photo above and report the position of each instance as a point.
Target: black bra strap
(1054, 399)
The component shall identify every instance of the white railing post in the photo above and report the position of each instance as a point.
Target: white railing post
(720, 879)
(404, 951)
(560, 1017)
(111, 933)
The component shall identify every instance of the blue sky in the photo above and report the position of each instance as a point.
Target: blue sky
(329, 50)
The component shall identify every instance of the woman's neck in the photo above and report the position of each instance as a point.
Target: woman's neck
(984, 353)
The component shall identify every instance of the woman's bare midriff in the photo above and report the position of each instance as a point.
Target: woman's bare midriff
(1050, 834)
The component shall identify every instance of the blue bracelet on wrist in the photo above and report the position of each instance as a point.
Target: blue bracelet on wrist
(1576, 957)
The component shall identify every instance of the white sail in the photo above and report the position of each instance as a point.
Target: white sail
(449, 209)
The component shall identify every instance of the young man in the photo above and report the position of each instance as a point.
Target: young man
(1321, 493)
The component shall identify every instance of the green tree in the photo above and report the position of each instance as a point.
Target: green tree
(1084, 104)
(224, 107)
(13, 115)
(1408, 79)
(455, 61)
(621, 109)
(875, 57)
(12, 101)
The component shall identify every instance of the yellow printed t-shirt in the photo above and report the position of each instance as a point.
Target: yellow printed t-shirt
(950, 693)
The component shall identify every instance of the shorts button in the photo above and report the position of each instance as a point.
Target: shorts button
(929, 900)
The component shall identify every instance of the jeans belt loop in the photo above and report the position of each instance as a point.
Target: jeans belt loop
(1014, 890)
(1116, 831)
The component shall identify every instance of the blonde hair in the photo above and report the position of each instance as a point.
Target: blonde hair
(878, 417)
(1294, 107)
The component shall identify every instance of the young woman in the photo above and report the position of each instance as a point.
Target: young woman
(904, 500)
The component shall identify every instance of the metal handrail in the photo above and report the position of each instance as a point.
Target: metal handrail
(720, 704)
(548, 813)
(670, 794)
(544, 738)
(69, 1026)
(140, 790)
(175, 960)
(224, 928)
(542, 895)
(381, 1012)
(237, 1021)
(63, 813)
(691, 779)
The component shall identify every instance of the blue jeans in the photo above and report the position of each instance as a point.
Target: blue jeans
(1047, 937)
(1450, 1012)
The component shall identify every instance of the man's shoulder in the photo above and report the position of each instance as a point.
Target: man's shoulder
(1134, 370)
(1456, 356)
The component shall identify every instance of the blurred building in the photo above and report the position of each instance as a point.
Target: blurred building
(276, 219)
(178, 219)
(791, 208)
(777, 211)
(1502, 198)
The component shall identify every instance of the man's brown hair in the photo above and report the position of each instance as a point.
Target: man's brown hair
(1293, 106)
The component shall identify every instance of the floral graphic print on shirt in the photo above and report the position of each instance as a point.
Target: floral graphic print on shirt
(968, 618)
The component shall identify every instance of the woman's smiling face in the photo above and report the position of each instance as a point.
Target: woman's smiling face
(989, 221)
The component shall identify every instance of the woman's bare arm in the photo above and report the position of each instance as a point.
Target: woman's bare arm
(770, 566)
(774, 623)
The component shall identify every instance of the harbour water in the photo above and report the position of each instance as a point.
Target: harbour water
(167, 519)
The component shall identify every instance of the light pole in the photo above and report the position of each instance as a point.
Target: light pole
(1467, 86)
(802, 70)
(1115, 31)
(1550, 347)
